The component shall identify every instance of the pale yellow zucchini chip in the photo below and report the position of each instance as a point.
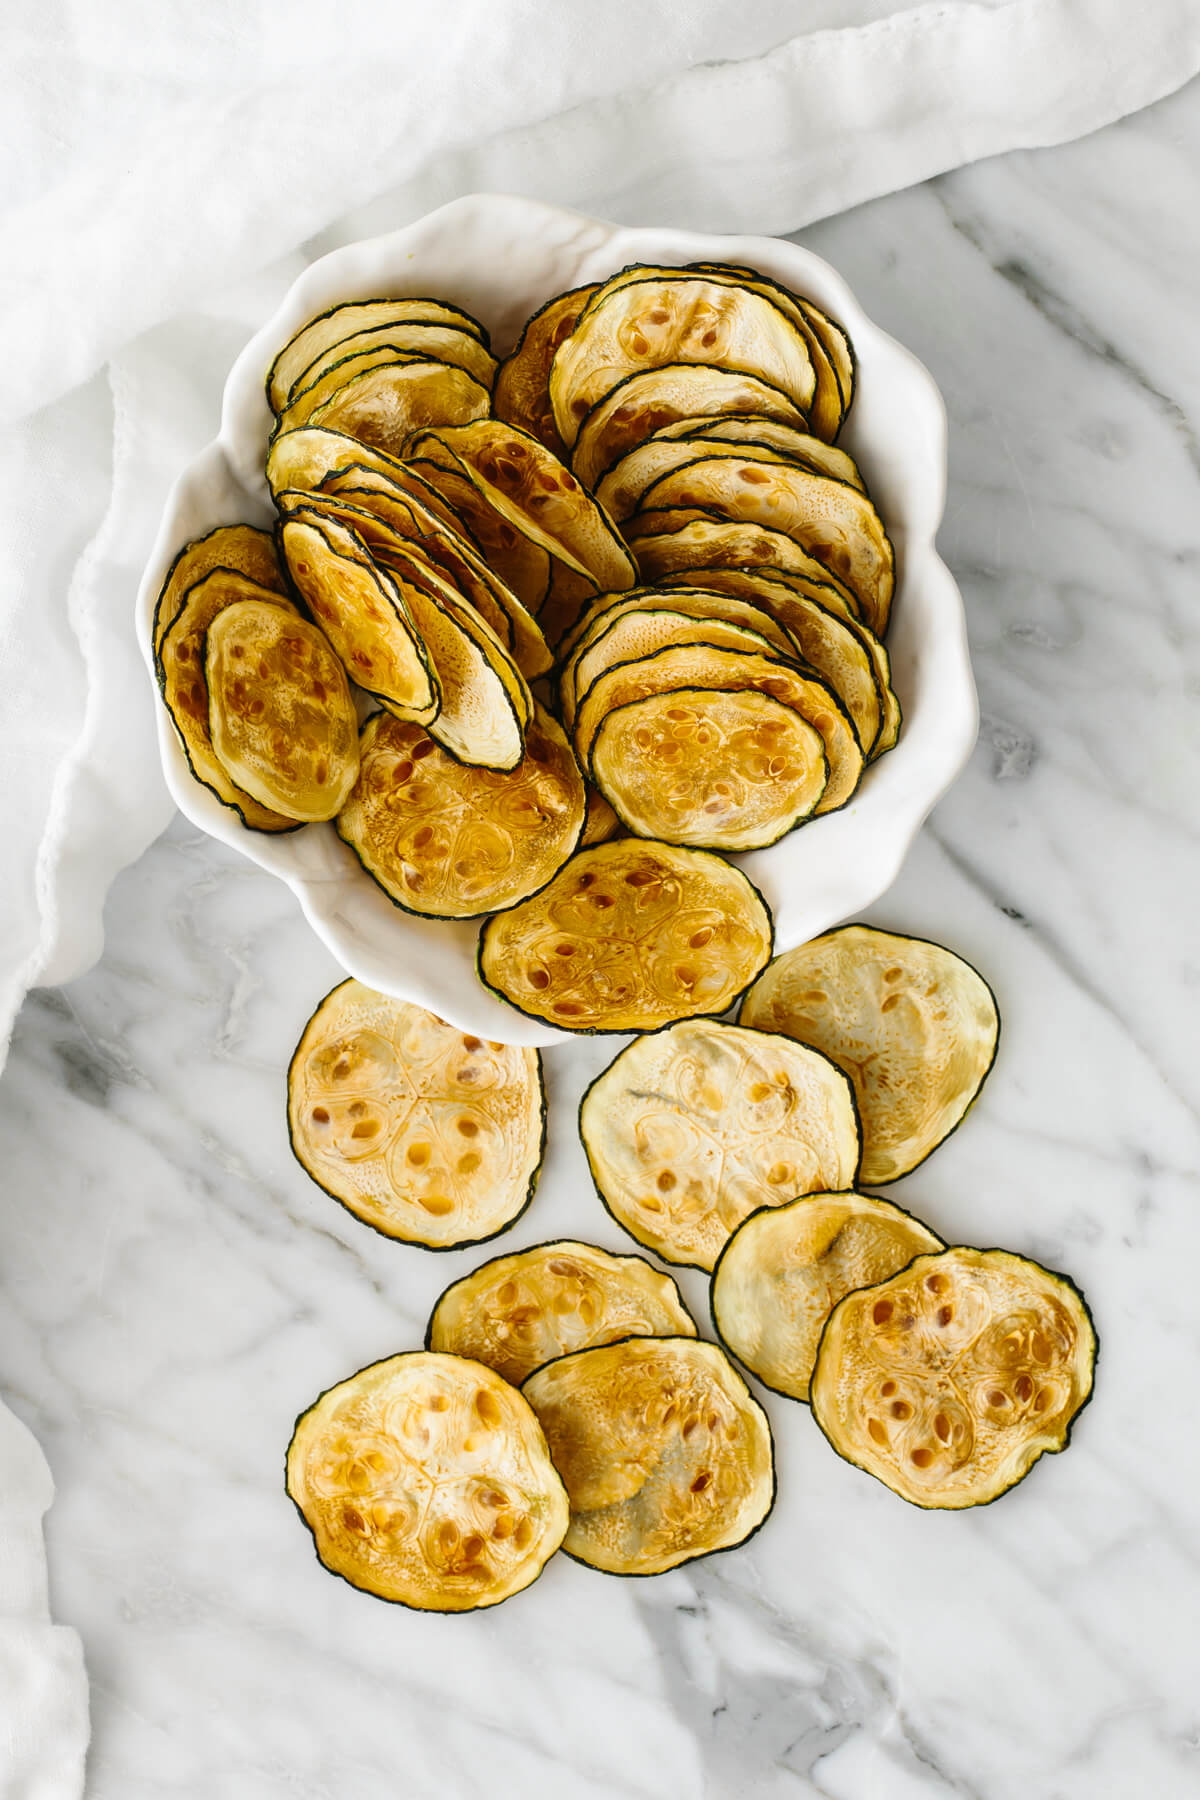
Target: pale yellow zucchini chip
(948, 1381)
(630, 636)
(242, 549)
(673, 539)
(665, 1453)
(454, 842)
(628, 936)
(280, 713)
(427, 1480)
(521, 395)
(311, 457)
(386, 405)
(348, 319)
(622, 490)
(421, 338)
(333, 376)
(692, 1129)
(790, 444)
(523, 565)
(520, 1311)
(828, 406)
(424, 1132)
(695, 599)
(785, 1268)
(914, 1026)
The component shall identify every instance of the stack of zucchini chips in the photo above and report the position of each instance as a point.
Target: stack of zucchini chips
(612, 610)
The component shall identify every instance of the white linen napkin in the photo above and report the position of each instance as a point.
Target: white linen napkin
(168, 171)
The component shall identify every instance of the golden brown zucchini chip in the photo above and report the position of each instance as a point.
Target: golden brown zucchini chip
(280, 712)
(347, 320)
(628, 936)
(423, 1132)
(948, 1381)
(690, 1130)
(680, 318)
(829, 401)
(627, 637)
(242, 549)
(785, 1268)
(789, 443)
(622, 489)
(427, 1480)
(673, 539)
(914, 1026)
(520, 1311)
(715, 771)
(362, 613)
(343, 368)
(454, 842)
(523, 565)
(698, 601)
(521, 395)
(601, 822)
(643, 404)
(665, 1453)
(387, 404)
(424, 339)
(307, 459)
(185, 688)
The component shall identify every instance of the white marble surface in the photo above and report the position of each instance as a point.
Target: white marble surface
(173, 1289)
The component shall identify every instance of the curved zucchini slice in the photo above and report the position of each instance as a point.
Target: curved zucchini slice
(784, 1270)
(682, 318)
(362, 613)
(672, 539)
(601, 822)
(665, 1453)
(521, 564)
(829, 403)
(914, 1026)
(242, 549)
(450, 841)
(427, 1480)
(521, 395)
(697, 601)
(386, 405)
(948, 1381)
(690, 1130)
(347, 320)
(280, 713)
(423, 1132)
(425, 339)
(310, 457)
(344, 367)
(185, 688)
(623, 488)
(520, 1311)
(628, 936)
(642, 404)
(790, 443)
(630, 636)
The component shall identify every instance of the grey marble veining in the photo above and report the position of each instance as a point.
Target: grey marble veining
(173, 1289)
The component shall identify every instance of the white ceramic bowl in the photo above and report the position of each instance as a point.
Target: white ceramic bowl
(501, 258)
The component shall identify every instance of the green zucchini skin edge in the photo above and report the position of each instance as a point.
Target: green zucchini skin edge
(671, 1262)
(444, 1612)
(218, 569)
(701, 1555)
(469, 323)
(1064, 1281)
(624, 1030)
(395, 1237)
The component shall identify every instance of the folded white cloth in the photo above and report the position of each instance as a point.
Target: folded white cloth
(169, 170)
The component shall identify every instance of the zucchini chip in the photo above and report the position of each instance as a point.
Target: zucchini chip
(522, 564)
(241, 549)
(690, 1130)
(949, 1381)
(521, 395)
(450, 841)
(185, 689)
(422, 1132)
(682, 318)
(789, 442)
(347, 320)
(630, 636)
(386, 405)
(829, 401)
(784, 1270)
(643, 404)
(665, 1453)
(716, 771)
(304, 460)
(362, 613)
(280, 713)
(518, 1312)
(427, 1480)
(673, 539)
(334, 375)
(697, 600)
(914, 1026)
(628, 936)
(601, 822)
(423, 339)
(621, 490)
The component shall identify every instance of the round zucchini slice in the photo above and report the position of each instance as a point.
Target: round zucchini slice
(520, 1311)
(309, 458)
(345, 366)
(521, 395)
(451, 841)
(640, 632)
(424, 339)
(628, 936)
(622, 489)
(697, 601)
(790, 443)
(948, 1381)
(423, 1132)
(666, 539)
(280, 713)
(347, 320)
(241, 549)
(664, 1451)
(601, 822)
(521, 564)
(427, 1480)
(716, 771)
(829, 402)
(690, 1130)
(386, 405)
(784, 1270)
(914, 1026)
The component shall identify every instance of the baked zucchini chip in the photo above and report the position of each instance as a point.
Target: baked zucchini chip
(690, 1130)
(344, 367)
(601, 822)
(698, 602)
(242, 549)
(427, 1480)
(423, 339)
(423, 1132)
(664, 1451)
(621, 491)
(347, 320)
(914, 1026)
(640, 632)
(667, 539)
(280, 713)
(784, 1270)
(386, 405)
(628, 936)
(520, 1311)
(521, 395)
(790, 443)
(310, 457)
(523, 565)
(948, 1381)
(450, 841)
(829, 401)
